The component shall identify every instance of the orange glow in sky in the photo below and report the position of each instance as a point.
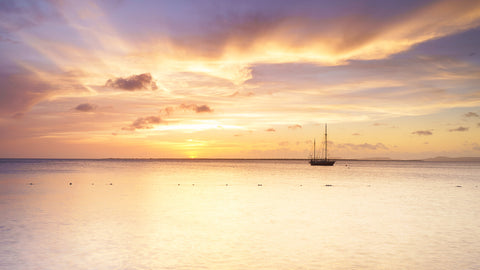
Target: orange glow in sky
(239, 79)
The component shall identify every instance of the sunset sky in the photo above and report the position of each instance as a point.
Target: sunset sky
(239, 79)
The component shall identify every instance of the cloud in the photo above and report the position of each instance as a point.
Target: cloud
(277, 31)
(461, 129)
(364, 146)
(144, 123)
(17, 15)
(19, 92)
(242, 94)
(471, 114)
(168, 110)
(18, 116)
(475, 146)
(422, 132)
(297, 126)
(133, 83)
(86, 107)
(284, 143)
(270, 130)
(196, 108)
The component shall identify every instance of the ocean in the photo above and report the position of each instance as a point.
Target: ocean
(238, 214)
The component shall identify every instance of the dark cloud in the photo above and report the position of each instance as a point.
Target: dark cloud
(471, 114)
(144, 123)
(422, 132)
(196, 108)
(297, 126)
(461, 129)
(133, 83)
(270, 130)
(86, 107)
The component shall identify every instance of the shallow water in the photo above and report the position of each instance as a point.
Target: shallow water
(224, 214)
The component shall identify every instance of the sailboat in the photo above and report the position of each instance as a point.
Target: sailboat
(314, 161)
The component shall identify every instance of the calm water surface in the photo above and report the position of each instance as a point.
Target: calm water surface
(221, 214)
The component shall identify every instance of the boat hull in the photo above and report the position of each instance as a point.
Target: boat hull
(322, 162)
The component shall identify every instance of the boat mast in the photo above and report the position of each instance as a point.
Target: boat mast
(325, 141)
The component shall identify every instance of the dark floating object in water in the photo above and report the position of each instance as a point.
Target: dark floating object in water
(226, 185)
(111, 184)
(179, 184)
(328, 185)
(193, 184)
(459, 186)
(30, 184)
(259, 185)
(70, 183)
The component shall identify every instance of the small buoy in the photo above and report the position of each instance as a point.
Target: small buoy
(70, 183)
(459, 186)
(260, 185)
(111, 184)
(30, 184)
(328, 185)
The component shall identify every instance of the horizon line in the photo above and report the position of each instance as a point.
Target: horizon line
(476, 158)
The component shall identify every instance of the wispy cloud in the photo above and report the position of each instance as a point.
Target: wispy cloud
(471, 114)
(196, 108)
(284, 143)
(423, 132)
(296, 126)
(144, 123)
(476, 146)
(460, 129)
(364, 146)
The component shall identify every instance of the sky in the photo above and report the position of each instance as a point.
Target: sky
(239, 79)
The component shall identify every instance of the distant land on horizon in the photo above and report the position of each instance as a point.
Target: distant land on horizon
(441, 158)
